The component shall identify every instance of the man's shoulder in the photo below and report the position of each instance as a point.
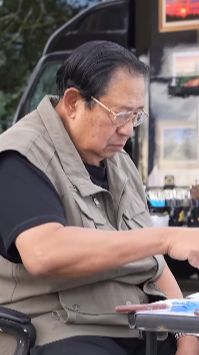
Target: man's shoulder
(21, 133)
(30, 138)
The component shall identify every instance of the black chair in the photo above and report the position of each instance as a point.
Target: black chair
(17, 333)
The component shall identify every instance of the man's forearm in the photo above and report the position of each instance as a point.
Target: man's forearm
(52, 249)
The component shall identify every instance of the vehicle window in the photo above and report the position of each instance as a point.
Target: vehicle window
(102, 21)
(45, 85)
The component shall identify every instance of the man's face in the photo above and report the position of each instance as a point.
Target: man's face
(93, 131)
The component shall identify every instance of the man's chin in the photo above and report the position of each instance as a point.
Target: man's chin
(111, 152)
(116, 148)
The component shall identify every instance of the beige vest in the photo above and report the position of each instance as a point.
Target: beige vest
(63, 307)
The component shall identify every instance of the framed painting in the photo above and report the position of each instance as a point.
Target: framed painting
(178, 15)
(178, 144)
(185, 73)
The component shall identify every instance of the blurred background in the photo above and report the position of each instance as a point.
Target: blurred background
(25, 26)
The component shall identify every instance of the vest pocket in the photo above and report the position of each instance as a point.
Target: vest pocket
(69, 316)
(91, 214)
(95, 304)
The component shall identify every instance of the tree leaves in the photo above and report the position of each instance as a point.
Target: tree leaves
(25, 27)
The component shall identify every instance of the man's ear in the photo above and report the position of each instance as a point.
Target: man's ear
(70, 99)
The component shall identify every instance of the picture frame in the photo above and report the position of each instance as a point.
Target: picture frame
(185, 73)
(178, 144)
(178, 15)
(185, 63)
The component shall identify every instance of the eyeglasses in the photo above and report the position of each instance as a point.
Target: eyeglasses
(121, 118)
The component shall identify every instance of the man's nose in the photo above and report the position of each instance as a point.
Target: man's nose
(126, 129)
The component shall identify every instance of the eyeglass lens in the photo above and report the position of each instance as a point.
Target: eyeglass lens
(137, 118)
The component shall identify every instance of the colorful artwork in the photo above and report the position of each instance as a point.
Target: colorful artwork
(178, 15)
(185, 68)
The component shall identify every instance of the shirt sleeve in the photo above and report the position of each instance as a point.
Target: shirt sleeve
(28, 199)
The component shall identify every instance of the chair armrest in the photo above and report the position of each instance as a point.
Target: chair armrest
(19, 325)
(14, 316)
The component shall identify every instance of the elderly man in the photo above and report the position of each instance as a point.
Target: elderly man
(75, 233)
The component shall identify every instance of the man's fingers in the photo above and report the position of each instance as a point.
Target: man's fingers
(193, 259)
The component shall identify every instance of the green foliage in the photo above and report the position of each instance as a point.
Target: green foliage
(25, 26)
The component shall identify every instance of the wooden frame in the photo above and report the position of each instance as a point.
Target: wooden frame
(172, 17)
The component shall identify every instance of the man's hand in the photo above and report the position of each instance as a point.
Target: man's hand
(184, 245)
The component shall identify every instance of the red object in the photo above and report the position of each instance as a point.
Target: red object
(182, 8)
